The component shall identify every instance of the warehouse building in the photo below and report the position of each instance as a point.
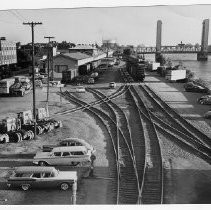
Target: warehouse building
(7, 52)
(76, 62)
(8, 57)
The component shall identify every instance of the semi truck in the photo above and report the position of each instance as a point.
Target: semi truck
(21, 127)
(174, 75)
(15, 86)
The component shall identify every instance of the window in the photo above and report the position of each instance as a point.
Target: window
(26, 174)
(18, 175)
(63, 143)
(36, 175)
(60, 68)
(72, 144)
(45, 175)
(65, 154)
(77, 153)
(57, 154)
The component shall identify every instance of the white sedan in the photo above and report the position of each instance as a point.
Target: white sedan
(80, 89)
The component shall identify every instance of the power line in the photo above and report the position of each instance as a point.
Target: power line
(32, 24)
(20, 15)
(14, 14)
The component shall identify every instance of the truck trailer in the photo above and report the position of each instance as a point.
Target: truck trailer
(174, 75)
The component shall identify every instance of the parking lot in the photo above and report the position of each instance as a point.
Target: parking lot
(81, 125)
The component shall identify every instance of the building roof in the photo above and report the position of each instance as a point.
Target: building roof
(76, 55)
(82, 47)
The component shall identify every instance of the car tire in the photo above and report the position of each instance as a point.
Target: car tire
(42, 163)
(25, 187)
(64, 186)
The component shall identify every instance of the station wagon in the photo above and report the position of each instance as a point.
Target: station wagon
(63, 156)
(27, 177)
(112, 85)
(80, 89)
(69, 142)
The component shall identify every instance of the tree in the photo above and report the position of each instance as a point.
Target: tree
(189, 45)
(65, 45)
(127, 52)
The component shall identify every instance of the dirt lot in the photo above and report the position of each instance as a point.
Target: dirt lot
(79, 125)
(179, 164)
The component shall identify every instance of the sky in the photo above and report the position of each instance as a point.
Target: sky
(128, 25)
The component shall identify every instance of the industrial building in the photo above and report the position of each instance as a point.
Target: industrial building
(8, 57)
(76, 62)
(7, 52)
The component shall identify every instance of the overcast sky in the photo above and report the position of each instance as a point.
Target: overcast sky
(128, 25)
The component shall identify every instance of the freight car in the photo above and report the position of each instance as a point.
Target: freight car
(136, 68)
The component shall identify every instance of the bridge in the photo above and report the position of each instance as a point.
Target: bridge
(201, 51)
(169, 50)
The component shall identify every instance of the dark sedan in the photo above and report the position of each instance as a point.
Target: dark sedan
(191, 87)
(28, 177)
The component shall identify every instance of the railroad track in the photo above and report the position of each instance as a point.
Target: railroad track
(116, 94)
(127, 191)
(176, 118)
(123, 123)
(172, 128)
(152, 180)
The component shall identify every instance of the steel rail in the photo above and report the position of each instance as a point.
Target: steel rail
(85, 105)
(116, 94)
(153, 177)
(128, 129)
(177, 119)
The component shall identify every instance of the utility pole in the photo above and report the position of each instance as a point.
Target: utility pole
(32, 24)
(49, 39)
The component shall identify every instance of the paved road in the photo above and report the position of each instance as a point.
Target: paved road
(35, 196)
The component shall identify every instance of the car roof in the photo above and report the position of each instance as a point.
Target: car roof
(69, 149)
(73, 139)
(32, 169)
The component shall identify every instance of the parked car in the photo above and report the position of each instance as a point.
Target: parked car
(191, 87)
(69, 142)
(91, 80)
(208, 114)
(63, 156)
(28, 177)
(80, 89)
(117, 62)
(205, 100)
(112, 85)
